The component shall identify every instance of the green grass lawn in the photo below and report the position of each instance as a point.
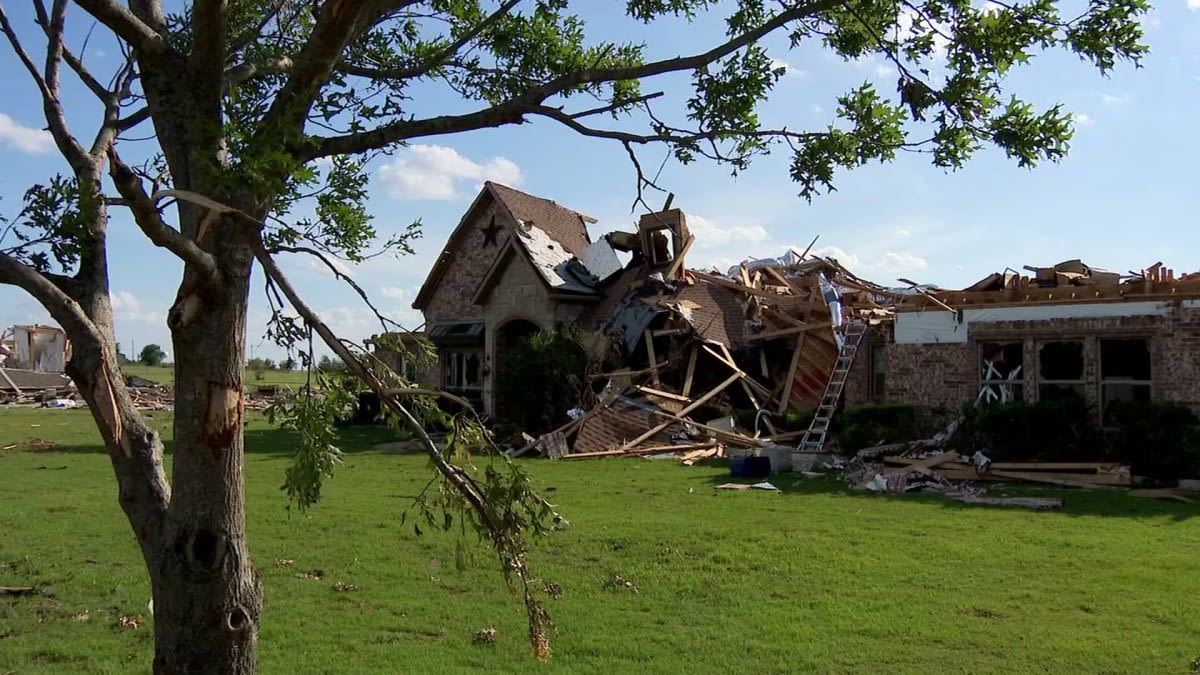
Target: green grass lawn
(814, 579)
(166, 375)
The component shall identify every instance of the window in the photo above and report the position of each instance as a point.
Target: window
(878, 371)
(1060, 370)
(1124, 372)
(1001, 372)
(461, 370)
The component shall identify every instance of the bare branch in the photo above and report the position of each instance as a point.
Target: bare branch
(126, 24)
(248, 71)
(55, 116)
(148, 219)
(385, 323)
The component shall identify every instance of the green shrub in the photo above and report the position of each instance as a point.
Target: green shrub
(540, 380)
(863, 426)
(1159, 440)
(1060, 430)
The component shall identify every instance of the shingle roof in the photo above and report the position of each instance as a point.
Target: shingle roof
(565, 226)
(714, 311)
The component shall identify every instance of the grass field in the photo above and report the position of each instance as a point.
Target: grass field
(166, 375)
(813, 579)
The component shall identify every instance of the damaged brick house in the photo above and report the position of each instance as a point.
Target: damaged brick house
(1067, 330)
(515, 264)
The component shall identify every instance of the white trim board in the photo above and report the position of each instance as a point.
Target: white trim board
(937, 326)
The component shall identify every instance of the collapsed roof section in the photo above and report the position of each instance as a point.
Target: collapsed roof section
(1068, 282)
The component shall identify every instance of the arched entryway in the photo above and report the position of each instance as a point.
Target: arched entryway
(508, 335)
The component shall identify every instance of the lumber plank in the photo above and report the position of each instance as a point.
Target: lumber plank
(691, 370)
(784, 332)
(1031, 466)
(733, 285)
(658, 392)
(923, 464)
(683, 413)
(650, 355)
(676, 264)
(785, 397)
(1162, 494)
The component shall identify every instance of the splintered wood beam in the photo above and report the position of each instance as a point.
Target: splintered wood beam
(650, 355)
(785, 396)
(733, 285)
(691, 369)
(810, 245)
(784, 332)
(683, 413)
(774, 273)
(727, 359)
(665, 394)
(677, 264)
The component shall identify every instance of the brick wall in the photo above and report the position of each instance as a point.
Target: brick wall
(451, 300)
(947, 374)
(932, 375)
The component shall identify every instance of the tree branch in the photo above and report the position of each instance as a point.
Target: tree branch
(56, 119)
(439, 58)
(126, 25)
(148, 219)
(513, 110)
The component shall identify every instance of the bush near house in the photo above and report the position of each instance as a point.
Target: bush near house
(863, 426)
(540, 379)
(1160, 440)
(1061, 430)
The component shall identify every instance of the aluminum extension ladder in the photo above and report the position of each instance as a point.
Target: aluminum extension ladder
(852, 335)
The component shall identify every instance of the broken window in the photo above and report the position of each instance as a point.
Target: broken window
(461, 370)
(1124, 372)
(1001, 372)
(878, 371)
(1061, 370)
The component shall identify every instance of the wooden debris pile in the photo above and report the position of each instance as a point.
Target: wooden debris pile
(1070, 280)
(688, 349)
(928, 464)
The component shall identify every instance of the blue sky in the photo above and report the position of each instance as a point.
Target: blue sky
(1124, 198)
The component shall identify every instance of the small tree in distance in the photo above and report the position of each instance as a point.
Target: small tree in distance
(152, 355)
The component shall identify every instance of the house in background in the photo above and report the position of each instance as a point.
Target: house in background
(42, 348)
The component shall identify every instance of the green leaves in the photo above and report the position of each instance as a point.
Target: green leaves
(51, 230)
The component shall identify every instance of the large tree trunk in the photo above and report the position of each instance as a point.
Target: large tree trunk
(207, 595)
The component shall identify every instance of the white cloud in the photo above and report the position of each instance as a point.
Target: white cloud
(887, 263)
(394, 293)
(1113, 100)
(710, 235)
(1084, 119)
(884, 70)
(126, 306)
(1194, 5)
(315, 265)
(817, 109)
(788, 69)
(436, 172)
(25, 139)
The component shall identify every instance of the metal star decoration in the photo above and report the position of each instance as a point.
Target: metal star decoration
(491, 233)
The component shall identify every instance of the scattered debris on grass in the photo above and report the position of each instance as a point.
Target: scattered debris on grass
(18, 590)
(343, 587)
(486, 635)
(130, 621)
(312, 575)
(82, 617)
(619, 582)
(553, 590)
(284, 562)
(748, 486)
